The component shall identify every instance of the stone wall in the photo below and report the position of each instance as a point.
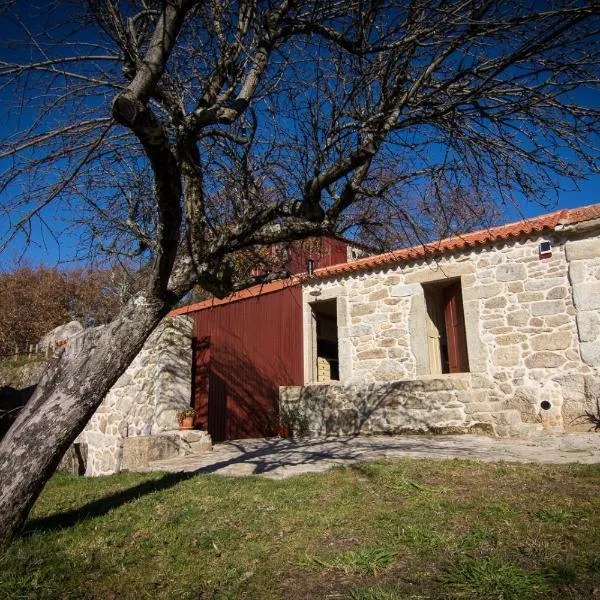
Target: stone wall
(532, 325)
(584, 275)
(428, 405)
(145, 399)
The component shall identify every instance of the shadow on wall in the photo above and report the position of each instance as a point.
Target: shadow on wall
(11, 403)
(252, 397)
(251, 391)
(380, 408)
(248, 386)
(323, 417)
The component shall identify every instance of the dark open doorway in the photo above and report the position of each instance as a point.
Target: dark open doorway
(325, 337)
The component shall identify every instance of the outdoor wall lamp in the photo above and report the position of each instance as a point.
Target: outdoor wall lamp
(545, 250)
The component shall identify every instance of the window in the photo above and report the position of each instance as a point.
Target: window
(325, 341)
(446, 338)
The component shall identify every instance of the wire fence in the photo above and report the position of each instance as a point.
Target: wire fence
(35, 351)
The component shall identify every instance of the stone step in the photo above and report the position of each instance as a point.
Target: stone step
(198, 447)
(434, 383)
(483, 407)
(509, 415)
(468, 398)
(505, 422)
(190, 441)
(474, 397)
(528, 430)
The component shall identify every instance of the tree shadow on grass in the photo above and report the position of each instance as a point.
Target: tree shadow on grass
(269, 455)
(102, 506)
(263, 455)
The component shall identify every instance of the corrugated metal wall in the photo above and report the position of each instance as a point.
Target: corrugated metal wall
(325, 252)
(255, 346)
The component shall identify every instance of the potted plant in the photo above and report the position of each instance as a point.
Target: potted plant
(185, 418)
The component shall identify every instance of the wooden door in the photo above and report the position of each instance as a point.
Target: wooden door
(314, 375)
(454, 318)
(200, 380)
(217, 408)
(434, 324)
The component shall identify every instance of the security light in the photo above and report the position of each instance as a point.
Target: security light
(545, 250)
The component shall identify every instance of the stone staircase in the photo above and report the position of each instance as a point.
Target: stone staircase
(506, 422)
(192, 441)
(140, 451)
(482, 406)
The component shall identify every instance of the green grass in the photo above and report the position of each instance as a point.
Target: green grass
(493, 577)
(363, 560)
(378, 531)
(18, 361)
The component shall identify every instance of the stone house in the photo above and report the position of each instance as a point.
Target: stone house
(495, 331)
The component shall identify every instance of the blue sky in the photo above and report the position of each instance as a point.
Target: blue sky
(45, 248)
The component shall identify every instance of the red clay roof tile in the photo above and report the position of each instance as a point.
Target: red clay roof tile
(468, 240)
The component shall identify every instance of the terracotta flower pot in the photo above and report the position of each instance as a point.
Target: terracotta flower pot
(187, 423)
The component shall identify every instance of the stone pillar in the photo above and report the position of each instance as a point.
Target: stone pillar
(584, 273)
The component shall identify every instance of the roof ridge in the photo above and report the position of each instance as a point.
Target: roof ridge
(480, 237)
(252, 292)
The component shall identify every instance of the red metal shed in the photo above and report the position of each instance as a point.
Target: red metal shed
(324, 252)
(243, 351)
(249, 344)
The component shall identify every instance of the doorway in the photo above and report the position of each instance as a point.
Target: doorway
(325, 346)
(446, 337)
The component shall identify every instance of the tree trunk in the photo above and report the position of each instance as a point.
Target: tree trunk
(65, 399)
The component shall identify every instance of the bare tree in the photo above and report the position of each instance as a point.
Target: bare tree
(186, 132)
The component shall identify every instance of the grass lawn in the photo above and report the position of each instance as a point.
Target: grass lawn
(377, 531)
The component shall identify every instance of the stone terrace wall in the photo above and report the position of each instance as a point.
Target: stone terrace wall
(429, 405)
(532, 325)
(145, 399)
